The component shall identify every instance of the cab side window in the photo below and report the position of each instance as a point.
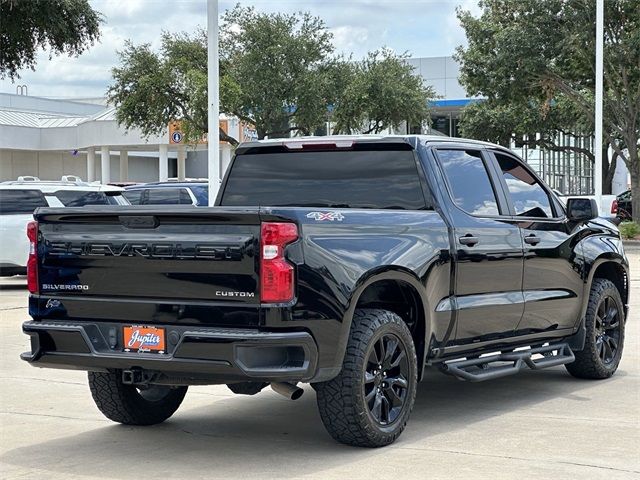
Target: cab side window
(168, 196)
(529, 198)
(469, 181)
(134, 196)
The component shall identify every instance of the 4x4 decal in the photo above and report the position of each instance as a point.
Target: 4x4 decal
(322, 216)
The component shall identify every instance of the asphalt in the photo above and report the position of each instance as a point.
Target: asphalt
(545, 423)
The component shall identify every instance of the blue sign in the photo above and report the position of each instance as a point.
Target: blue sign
(176, 137)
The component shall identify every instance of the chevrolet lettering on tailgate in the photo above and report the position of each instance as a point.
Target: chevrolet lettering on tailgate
(147, 250)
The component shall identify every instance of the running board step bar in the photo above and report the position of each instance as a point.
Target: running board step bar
(480, 369)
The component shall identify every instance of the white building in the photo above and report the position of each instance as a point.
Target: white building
(49, 138)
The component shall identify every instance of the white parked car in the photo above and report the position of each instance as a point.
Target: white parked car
(19, 198)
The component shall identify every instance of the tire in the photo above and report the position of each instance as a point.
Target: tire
(604, 340)
(129, 405)
(355, 405)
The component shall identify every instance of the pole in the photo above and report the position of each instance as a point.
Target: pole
(163, 162)
(599, 87)
(105, 165)
(213, 92)
(91, 164)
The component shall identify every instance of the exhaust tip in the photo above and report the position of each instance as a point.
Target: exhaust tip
(288, 390)
(297, 393)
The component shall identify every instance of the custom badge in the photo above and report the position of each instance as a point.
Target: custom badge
(326, 216)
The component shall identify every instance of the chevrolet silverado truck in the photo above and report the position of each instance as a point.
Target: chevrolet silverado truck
(350, 263)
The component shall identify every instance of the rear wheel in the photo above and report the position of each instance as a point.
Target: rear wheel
(369, 402)
(133, 405)
(604, 324)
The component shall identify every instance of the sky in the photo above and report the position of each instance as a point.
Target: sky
(423, 28)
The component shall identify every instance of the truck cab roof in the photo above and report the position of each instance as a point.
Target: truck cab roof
(348, 141)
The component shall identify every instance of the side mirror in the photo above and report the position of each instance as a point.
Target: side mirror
(582, 209)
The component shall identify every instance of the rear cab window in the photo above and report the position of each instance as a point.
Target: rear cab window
(358, 178)
(81, 198)
(21, 202)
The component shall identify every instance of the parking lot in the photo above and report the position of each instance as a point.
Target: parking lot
(544, 423)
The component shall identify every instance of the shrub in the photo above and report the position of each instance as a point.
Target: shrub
(629, 230)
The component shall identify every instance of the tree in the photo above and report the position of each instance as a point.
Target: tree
(532, 54)
(277, 72)
(152, 89)
(379, 92)
(61, 26)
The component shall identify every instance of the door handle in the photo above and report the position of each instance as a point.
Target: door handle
(468, 240)
(532, 240)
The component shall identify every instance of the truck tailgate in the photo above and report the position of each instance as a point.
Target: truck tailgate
(175, 258)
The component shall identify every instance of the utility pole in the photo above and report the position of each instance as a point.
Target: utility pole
(599, 89)
(213, 93)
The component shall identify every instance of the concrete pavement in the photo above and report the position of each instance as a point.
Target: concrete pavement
(546, 424)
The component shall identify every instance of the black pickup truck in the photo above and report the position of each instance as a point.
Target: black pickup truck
(350, 263)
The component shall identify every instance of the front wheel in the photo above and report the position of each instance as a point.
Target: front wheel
(604, 325)
(369, 402)
(133, 405)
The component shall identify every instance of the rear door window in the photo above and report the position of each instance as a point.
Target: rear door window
(469, 182)
(15, 202)
(379, 179)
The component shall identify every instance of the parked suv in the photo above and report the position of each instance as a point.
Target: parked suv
(351, 263)
(18, 200)
(193, 192)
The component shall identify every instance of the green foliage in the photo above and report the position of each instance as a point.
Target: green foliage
(629, 230)
(277, 71)
(379, 92)
(497, 121)
(61, 26)
(151, 89)
(538, 58)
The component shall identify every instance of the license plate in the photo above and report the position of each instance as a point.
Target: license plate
(144, 339)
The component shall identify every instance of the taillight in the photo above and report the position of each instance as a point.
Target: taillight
(614, 206)
(276, 274)
(32, 262)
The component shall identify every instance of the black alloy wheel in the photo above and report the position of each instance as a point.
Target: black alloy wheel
(604, 323)
(386, 374)
(369, 402)
(607, 325)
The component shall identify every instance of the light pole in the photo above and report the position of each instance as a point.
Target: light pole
(213, 93)
(598, 110)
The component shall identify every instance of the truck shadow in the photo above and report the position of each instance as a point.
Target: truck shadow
(267, 436)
